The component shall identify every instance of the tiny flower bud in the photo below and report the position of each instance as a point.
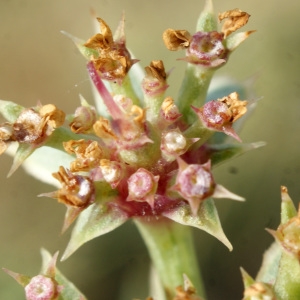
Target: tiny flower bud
(169, 111)
(206, 49)
(194, 183)
(112, 172)
(173, 144)
(84, 119)
(41, 288)
(154, 83)
(219, 114)
(142, 186)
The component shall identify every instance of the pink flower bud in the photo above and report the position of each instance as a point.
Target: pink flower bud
(41, 288)
(142, 186)
(207, 49)
(194, 183)
(217, 116)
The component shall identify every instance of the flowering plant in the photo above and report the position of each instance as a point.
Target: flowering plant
(141, 155)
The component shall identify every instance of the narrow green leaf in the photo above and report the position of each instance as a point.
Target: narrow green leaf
(96, 220)
(222, 153)
(79, 43)
(207, 219)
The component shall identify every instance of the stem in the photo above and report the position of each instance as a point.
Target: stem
(172, 252)
(193, 90)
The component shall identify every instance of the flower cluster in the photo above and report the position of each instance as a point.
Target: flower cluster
(152, 157)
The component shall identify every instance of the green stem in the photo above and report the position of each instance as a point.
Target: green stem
(125, 89)
(193, 90)
(172, 252)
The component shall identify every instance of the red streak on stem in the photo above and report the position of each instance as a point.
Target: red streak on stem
(108, 100)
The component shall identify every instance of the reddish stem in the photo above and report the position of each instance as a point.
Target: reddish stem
(108, 100)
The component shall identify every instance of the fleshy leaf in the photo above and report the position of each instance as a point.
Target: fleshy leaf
(85, 51)
(247, 279)
(207, 20)
(96, 220)
(40, 166)
(221, 153)
(23, 151)
(287, 285)
(207, 219)
(10, 110)
(69, 290)
(288, 209)
(233, 41)
(270, 264)
(20, 278)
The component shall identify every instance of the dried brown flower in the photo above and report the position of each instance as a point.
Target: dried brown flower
(156, 70)
(113, 60)
(176, 39)
(103, 130)
(236, 106)
(88, 154)
(77, 191)
(33, 126)
(235, 19)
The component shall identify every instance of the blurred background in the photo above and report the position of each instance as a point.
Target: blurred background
(39, 63)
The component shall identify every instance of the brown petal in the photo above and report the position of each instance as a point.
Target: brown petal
(157, 70)
(235, 20)
(176, 39)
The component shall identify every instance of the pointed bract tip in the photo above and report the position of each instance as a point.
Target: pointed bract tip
(222, 192)
(208, 7)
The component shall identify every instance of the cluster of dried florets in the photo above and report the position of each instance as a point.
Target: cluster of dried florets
(152, 156)
(143, 151)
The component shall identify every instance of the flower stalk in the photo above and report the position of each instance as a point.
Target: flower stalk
(172, 252)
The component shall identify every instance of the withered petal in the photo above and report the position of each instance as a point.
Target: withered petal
(236, 19)
(176, 39)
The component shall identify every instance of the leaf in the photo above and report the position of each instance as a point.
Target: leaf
(88, 53)
(23, 151)
(221, 153)
(40, 166)
(269, 267)
(96, 220)
(69, 292)
(233, 41)
(10, 110)
(207, 219)
(207, 20)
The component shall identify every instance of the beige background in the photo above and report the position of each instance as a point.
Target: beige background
(39, 63)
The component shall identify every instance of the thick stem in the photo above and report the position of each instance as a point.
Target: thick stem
(172, 252)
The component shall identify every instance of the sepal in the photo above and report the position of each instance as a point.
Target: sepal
(207, 219)
(96, 220)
